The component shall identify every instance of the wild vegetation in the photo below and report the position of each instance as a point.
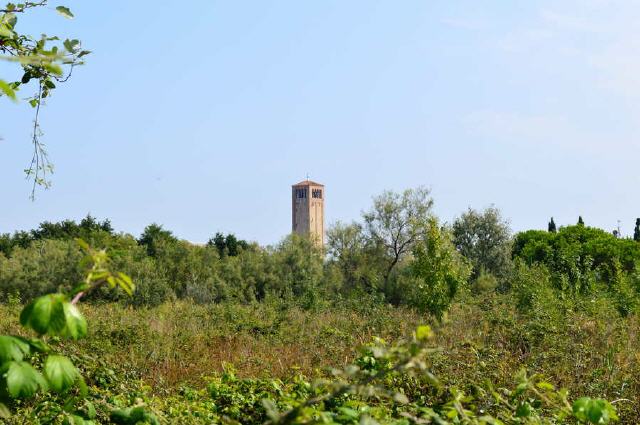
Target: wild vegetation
(232, 331)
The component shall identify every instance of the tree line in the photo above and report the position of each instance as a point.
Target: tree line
(399, 252)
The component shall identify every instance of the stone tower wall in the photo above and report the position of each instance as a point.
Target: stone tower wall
(307, 210)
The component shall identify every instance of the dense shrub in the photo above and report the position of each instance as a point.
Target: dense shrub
(577, 256)
(434, 275)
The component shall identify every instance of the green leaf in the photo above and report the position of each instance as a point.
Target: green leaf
(64, 11)
(76, 325)
(12, 348)
(37, 314)
(37, 345)
(71, 45)
(53, 68)
(54, 315)
(5, 31)
(7, 90)
(125, 283)
(60, 373)
(523, 410)
(595, 411)
(10, 19)
(23, 380)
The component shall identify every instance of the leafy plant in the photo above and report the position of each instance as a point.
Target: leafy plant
(46, 60)
(31, 365)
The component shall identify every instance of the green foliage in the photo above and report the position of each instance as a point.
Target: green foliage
(484, 238)
(578, 256)
(484, 283)
(61, 374)
(532, 287)
(22, 370)
(435, 274)
(133, 416)
(596, 411)
(54, 315)
(552, 226)
(44, 60)
(89, 229)
(358, 259)
(396, 222)
(154, 238)
(227, 245)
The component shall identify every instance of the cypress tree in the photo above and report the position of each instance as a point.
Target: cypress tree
(552, 226)
(580, 221)
(636, 231)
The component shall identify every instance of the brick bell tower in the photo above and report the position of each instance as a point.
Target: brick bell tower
(307, 210)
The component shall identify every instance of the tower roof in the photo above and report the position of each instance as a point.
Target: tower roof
(308, 183)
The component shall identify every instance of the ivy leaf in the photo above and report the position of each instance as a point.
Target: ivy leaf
(12, 348)
(7, 90)
(60, 373)
(64, 11)
(23, 380)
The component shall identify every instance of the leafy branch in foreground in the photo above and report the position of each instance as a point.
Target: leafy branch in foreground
(24, 373)
(45, 60)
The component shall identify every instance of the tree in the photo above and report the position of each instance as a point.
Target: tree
(484, 238)
(437, 271)
(580, 221)
(552, 226)
(45, 61)
(636, 231)
(355, 255)
(218, 243)
(396, 222)
(154, 236)
(298, 265)
(229, 245)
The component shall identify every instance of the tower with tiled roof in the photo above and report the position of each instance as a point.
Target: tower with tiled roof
(307, 210)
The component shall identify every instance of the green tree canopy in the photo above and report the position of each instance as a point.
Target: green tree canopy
(396, 222)
(484, 238)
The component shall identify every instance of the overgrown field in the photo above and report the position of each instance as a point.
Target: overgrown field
(168, 356)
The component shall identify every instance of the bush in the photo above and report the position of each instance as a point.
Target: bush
(434, 275)
(531, 286)
(578, 256)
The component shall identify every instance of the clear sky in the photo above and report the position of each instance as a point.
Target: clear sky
(200, 115)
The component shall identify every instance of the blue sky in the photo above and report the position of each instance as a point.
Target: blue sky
(201, 115)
